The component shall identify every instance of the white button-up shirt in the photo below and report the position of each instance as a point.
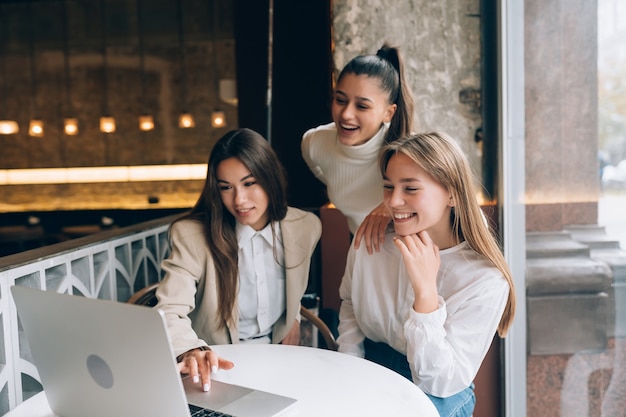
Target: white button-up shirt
(262, 291)
(444, 348)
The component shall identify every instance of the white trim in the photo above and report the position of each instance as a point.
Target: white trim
(511, 37)
(83, 175)
(96, 268)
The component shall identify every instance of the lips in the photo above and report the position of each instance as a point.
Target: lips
(349, 127)
(401, 217)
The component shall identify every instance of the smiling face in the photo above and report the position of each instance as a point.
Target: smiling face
(242, 196)
(416, 201)
(359, 108)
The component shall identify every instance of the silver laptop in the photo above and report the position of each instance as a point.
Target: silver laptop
(103, 358)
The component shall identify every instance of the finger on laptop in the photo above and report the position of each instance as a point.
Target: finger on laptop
(189, 365)
(225, 364)
(204, 369)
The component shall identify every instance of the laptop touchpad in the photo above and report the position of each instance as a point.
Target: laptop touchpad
(258, 403)
(220, 394)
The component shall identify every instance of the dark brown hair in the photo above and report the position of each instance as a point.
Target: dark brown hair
(219, 224)
(387, 65)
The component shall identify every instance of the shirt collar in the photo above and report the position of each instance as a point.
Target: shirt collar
(245, 233)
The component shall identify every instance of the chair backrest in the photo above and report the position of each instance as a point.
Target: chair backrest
(147, 297)
(325, 332)
(334, 244)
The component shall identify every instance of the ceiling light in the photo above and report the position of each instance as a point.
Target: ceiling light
(8, 127)
(107, 124)
(35, 128)
(218, 119)
(185, 120)
(146, 122)
(70, 126)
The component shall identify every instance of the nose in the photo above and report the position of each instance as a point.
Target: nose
(240, 196)
(347, 112)
(394, 198)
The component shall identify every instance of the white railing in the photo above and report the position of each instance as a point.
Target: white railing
(110, 265)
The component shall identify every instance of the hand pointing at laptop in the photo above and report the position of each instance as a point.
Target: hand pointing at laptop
(200, 364)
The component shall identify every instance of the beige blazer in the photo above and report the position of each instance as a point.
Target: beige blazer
(188, 293)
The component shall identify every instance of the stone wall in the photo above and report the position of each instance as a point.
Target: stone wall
(440, 42)
(562, 184)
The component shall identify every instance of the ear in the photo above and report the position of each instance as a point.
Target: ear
(389, 112)
(451, 202)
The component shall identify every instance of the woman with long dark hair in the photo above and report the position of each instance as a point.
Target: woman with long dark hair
(240, 259)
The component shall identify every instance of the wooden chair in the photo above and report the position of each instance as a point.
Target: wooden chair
(325, 332)
(146, 297)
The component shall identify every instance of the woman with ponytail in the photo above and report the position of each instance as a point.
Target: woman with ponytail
(372, 105)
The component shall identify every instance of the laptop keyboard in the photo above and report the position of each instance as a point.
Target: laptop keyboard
(205, 412)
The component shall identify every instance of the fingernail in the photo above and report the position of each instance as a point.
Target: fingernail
(206, 387)
(213, 369)
(196, 379)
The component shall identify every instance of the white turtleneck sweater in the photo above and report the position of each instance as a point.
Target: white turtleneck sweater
(351, 173)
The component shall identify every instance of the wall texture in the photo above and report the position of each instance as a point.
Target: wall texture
(440, 43)
(98, 69)
(562, 184)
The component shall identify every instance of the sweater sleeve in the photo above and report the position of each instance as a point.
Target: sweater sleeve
(308, 147)
(176, 293)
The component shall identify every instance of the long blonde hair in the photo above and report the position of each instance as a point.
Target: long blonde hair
(444, 160)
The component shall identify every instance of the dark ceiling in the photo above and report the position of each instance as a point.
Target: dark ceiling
(43, 22)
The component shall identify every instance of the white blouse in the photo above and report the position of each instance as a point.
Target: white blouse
(262, 292)
(444, 348)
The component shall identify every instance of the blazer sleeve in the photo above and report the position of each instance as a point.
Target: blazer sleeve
(176, 293)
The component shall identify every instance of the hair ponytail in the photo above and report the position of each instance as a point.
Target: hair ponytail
(402, 121)
(387, 65)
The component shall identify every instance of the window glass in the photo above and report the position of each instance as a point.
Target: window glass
(575, 143)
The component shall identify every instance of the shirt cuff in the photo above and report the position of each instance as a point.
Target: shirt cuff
(437, 317)
(201, 348)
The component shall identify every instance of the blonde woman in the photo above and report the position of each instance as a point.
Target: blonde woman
(428, 304)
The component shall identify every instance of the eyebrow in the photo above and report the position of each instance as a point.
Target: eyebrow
(241, 180)
(357, 97)
(385, 178)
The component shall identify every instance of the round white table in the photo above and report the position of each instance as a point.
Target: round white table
(326, 383)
